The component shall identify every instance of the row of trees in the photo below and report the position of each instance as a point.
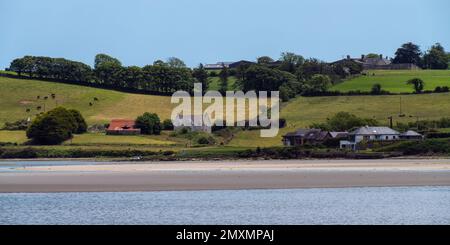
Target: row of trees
(435, 58)
(344, 121)
(294, 76)
(161, 77)
(291, 74)
(55, 68)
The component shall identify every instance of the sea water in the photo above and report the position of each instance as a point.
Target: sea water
(372, 205)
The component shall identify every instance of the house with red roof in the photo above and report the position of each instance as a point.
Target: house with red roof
(122, 127)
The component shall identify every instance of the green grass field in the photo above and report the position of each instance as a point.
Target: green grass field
(214, 83)
(93, 139)
(16, 95)
(395, 80)
(18, 137)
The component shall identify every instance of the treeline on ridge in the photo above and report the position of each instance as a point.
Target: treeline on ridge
(294, 74)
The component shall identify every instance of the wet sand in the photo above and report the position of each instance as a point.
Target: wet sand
(218, 175)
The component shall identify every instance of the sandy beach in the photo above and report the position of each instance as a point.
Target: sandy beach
(218, 175)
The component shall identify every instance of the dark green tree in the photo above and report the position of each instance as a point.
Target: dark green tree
(81, 123)
(262, 78)
(18, 65)
(376, 89)
(344, 121)
(167, 125)
(149, 123)
(101, 59)
(176, 62)
(408, 53)
(223, 83)
(264, 60)
(316, 84)
(417, 83)
(436, 58)
(52, 127)
(202, 76)
(290, 61)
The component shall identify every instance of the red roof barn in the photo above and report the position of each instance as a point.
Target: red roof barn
(122, 127)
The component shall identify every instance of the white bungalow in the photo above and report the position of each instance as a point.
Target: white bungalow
(369, 134)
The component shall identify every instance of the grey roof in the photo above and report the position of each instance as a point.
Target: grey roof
(410, 133)
(376, 61)
(309, 134)
(338, 134)
(374, 131)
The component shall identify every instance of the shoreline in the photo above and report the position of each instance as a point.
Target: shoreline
(225, 175)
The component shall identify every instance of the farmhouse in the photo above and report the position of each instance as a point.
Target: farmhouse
(232, 65)
(189, 122)
(305, 136)
(369, 134)
(122, 127)
(310, 136)
(217, 66)
(378, 63)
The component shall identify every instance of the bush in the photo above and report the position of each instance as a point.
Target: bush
(167, 125)
(437, 135)
(439, 89)
(17, 125)
(282, 123)
(204, 140)
(428, 146)
(52, 127)
(344, 121)
(149, 123)
(81, 123)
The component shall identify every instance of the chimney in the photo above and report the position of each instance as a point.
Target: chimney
(348, 57)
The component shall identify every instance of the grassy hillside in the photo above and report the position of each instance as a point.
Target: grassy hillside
(395, 81)
(214, 83)
(17, 95)
(303, 111)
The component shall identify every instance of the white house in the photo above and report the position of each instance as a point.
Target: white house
(189, 122)
(369, 134)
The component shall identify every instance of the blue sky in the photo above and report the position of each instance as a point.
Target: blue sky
(139, 32)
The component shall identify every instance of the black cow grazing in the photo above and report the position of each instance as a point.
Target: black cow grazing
(38, 97)
(28, 110)
(39, 107)
(46, 97)
(90, 104)
(53, 96)
(95, 99)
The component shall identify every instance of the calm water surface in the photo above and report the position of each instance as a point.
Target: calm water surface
(408, 205)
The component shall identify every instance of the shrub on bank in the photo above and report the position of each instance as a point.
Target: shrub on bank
(56, 126)
(428, 146)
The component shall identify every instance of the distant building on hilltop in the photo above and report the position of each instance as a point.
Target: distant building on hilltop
(217, 66)
(378, 63)
(232, 65)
